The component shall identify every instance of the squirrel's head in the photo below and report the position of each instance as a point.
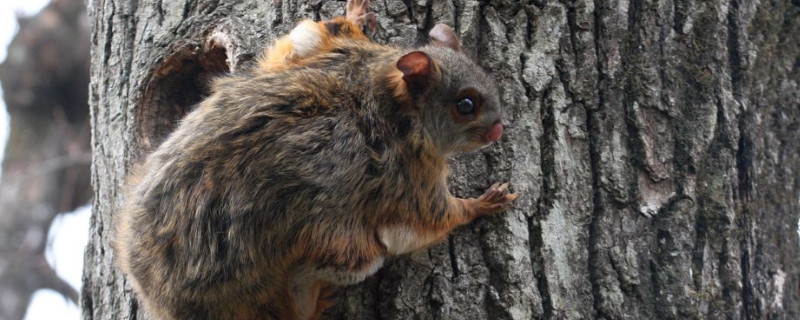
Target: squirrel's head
(455, 101)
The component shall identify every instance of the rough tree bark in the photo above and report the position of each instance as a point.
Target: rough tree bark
(655, 145)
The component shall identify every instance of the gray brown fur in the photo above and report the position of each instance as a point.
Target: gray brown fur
(297, 170)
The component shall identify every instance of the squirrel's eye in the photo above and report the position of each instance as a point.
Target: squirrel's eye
(465, 106)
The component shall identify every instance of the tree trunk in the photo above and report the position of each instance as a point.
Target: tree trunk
(654, 145)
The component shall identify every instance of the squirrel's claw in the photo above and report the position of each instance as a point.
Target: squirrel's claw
(494, 200)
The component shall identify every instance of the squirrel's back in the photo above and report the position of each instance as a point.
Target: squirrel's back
(250, 179)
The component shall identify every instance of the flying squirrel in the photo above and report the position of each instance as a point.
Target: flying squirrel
(306, 173)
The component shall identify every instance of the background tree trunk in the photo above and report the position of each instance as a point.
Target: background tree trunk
(654, 143)
(46, 160)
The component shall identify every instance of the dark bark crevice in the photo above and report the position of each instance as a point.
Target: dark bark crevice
(597, 215)
(547, 159)
(536, 249)
(597, 189)
(743, 157)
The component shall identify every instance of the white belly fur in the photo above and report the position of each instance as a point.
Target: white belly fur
(403, 239)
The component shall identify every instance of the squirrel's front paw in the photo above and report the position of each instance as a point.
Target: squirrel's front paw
(494, 200)
(357, 11)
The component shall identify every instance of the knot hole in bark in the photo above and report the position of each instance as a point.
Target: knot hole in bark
(177, 84)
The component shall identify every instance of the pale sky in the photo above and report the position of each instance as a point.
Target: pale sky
(69, 233)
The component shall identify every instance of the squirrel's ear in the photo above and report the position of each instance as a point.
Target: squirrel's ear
(417, 70)
(443, 35)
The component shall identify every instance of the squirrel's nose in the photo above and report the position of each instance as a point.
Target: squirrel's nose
(495, 132)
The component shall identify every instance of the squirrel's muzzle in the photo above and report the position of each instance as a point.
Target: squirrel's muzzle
(495, 132)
